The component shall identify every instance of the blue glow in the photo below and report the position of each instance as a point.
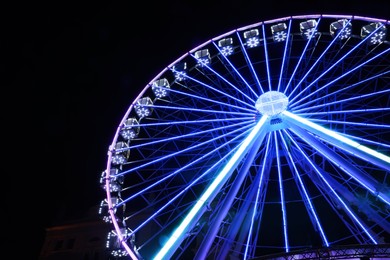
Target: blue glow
(189, 185)
(348, 112)
(257, 198)
(179, 152)
(281, 194)
(239, 90)
(221, 92)
(187, 165)
(336, 79)
(315, 101)
(338, 137)
(253, 42)
(349, 211)
(238, 73)
(343, 100)
(299, 62)
(250, 63)
(219, 180)
(312, 67)
(204, 110)
(351, 123)
(307, 198)
(344, 165)
(266, 58)
(284, 55)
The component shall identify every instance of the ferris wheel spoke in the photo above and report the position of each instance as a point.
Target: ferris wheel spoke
(306, 105)
(257, 134)
(240, 231)
(344, 143)
(255, 214)
(329, 183)
(352, 123)
(346, 100)
(236, 71)
(225, 80)
(337, 78)
(281, 191)
(303, 191)
(189, 122)
(365, 140)
(302, 54)
(332, 66)
(228, 201)
(353, 111)
(266, 58)
(282, 66)
(189, 109)
(165, 140)
(316, 62)
(171, 155)
(366, 181)
(220, 91)
(214, 101)
(182, 191)
(152, 182)
(250, 65)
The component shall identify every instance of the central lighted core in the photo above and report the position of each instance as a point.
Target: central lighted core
(272, 103)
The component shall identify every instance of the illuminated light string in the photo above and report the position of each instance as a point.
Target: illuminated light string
(307, 198)
(345, 166)
(238, 73)
(266, 58)
(282, 201)
(349, 211)
(317, 60)
(260, 184)
(193, 182)
(250, 63)
(178, 152)
(228, 82)
(178, 233)
(284, 55)
(342, 139)
(300, 60)
(219, 91)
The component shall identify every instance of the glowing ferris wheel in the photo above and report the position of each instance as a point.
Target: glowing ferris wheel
(271, 138)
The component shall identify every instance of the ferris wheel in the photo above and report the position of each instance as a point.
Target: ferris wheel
(268, 139)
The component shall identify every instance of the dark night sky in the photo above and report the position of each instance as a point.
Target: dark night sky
(72, 70)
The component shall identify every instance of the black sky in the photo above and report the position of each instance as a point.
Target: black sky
(69, 73)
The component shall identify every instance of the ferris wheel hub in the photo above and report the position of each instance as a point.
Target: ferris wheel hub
(272, 103)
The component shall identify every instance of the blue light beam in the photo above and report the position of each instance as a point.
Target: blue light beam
(179, 234)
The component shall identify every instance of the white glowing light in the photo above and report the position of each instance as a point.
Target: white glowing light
(209, 191)
(272, 103)
(339, 137)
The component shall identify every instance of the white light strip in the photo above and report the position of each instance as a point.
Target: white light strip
(339, 137)
(178, 233)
